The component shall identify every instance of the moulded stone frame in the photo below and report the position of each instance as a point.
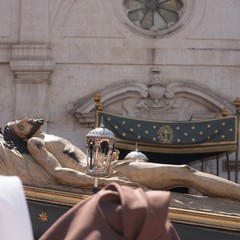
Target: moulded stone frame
(84, 108)
(185, 15)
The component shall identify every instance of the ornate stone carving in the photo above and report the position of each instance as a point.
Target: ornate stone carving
(157, 100)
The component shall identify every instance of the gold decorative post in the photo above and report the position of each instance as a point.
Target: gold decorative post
(98, 105)
(237, 104)
(97, 98)
(224, 112)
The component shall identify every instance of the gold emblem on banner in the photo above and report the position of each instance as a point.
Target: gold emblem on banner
(43, 217)
(165, 134)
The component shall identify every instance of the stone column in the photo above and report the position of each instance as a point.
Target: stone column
(31, 61)
(32, 66)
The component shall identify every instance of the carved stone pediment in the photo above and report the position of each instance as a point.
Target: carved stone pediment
(155, 100)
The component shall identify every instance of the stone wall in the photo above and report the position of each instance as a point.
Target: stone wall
(54, 52)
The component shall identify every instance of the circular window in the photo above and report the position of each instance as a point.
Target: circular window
(154, 17)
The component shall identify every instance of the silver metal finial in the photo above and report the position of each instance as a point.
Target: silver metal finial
(136, 155)
(102, 124)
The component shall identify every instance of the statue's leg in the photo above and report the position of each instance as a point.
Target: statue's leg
(164, 176)
(212, 185)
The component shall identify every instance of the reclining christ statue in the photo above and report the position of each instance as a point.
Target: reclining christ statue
(44, 160)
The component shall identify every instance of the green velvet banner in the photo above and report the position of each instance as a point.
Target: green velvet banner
(212, 135)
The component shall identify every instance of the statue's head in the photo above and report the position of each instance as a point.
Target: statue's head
(24, 129)
(18, 132)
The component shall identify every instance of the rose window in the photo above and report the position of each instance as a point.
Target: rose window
(154, 18)
(153, 15)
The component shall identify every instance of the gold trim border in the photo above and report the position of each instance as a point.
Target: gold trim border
(177, 215)
(205, 219)
(159, 149)
(54, 196)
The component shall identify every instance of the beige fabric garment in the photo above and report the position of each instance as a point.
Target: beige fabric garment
(119, 213)
(14, 215)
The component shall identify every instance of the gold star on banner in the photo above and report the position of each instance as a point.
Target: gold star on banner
(109, 119)
(139, 125)
(216, 131)
(43, 217)
(139, 136)
(185, 134)
(154, 139)
(177, 128)
(223, 123)
(124, 134)
(131, 130)
(146, 132)
(222, 136)
(193, 127)
(230, 129)
(209, 126)
(178, 140)
(116, 126)
(193, 139)
(201, 133)
(123, 122)
(154, 126)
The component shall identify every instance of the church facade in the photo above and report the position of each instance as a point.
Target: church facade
(162, 60)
